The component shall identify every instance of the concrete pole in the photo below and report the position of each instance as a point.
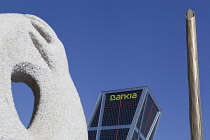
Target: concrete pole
(193, 78)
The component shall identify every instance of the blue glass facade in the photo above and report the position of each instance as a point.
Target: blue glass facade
(125, 114)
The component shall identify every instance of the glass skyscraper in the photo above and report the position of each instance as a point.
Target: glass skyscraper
(125, 114)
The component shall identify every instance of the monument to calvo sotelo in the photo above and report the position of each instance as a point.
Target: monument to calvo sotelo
(30, 52)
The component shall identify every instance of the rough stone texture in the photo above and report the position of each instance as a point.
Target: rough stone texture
(30, 52)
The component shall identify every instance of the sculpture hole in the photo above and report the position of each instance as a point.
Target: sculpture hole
(24, 102)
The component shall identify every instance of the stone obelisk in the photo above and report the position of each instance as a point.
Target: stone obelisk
(193, 78)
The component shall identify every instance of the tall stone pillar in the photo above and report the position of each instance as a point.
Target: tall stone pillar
(193, 78)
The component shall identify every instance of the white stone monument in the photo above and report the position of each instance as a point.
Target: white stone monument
(30, 52)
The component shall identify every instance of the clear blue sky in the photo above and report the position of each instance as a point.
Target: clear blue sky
(114, 44)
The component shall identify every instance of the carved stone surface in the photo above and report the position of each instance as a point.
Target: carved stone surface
(193, 78)
(30, 52)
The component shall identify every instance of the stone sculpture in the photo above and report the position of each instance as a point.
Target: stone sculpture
(30, 52)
